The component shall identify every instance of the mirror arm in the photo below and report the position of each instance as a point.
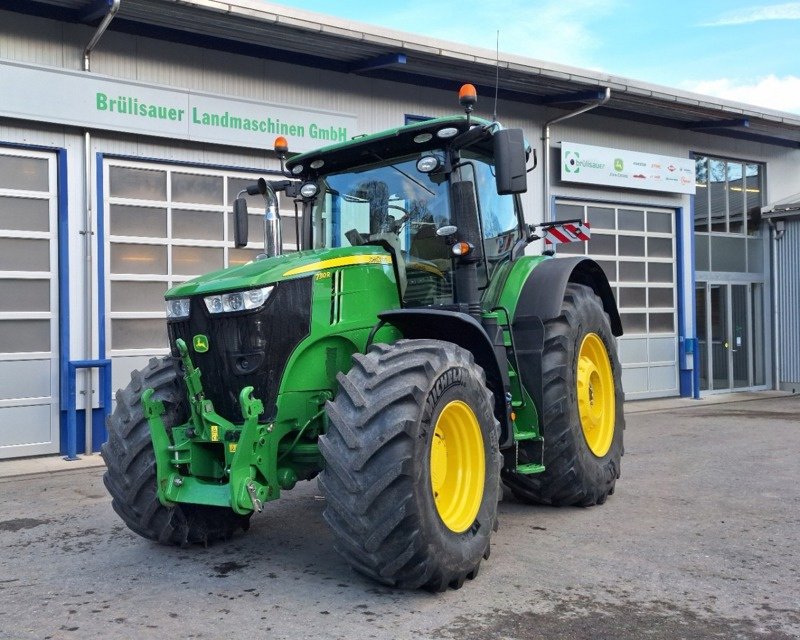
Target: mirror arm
(535, 162)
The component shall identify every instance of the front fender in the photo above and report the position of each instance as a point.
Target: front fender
(465, 331)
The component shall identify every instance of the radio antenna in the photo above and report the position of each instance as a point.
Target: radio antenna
(497, 75)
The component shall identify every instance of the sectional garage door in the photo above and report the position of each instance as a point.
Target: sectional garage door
(635, 246)
(166, 224)
(28, 304)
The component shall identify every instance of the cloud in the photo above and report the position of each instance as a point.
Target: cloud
(785, 11)
(554, 30)
(771, 91)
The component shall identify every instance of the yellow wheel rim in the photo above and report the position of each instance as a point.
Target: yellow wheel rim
(596, 395)
(458, 467)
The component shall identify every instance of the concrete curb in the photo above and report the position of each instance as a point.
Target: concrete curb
(671, 404)
(47, 464)
(54, 464)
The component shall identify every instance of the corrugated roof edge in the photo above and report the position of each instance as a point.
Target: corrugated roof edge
(363, 32)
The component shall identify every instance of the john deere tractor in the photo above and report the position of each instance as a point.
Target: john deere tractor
(410, 354)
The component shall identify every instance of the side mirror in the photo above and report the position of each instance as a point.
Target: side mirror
(239, 222)
(509, 161)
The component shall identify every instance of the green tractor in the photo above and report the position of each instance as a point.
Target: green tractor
(411, 355)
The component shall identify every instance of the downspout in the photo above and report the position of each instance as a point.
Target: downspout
(113, 7)
(547, 213)
(88, 235)
(778, 229)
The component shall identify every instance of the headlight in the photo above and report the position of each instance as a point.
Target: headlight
(237, 300)
(428, 164)
(178, 308)
(309, 190)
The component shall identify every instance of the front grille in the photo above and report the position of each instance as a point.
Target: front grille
(248, 348)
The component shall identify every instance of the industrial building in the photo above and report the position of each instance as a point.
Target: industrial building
(127, 127)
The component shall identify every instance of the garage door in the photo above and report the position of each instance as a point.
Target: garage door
(635, 246)
(164, 225)
(28, 304)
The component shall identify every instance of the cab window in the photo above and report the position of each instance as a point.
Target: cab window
(501, 226)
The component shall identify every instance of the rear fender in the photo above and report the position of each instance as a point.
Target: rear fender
(540, 300)
(543, 291)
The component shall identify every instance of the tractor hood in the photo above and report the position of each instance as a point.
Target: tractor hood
(284, 267)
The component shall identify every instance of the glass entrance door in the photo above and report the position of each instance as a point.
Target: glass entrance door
(720, 346)
(740, 342)
(730, 337)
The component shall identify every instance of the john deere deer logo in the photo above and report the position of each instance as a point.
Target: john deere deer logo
(200, 343)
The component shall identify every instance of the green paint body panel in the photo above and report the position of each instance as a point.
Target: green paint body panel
(266, 271)
(212, 461)
(502, 296)
(507, 283)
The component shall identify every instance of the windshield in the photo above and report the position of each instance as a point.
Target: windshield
(394, 203)
(379, 199)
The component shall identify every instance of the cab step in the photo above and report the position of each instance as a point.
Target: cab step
(529, 469)
(532, 447)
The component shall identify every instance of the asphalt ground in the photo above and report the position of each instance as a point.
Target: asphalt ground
(700, 540)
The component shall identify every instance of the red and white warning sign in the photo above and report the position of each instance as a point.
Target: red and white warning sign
(567, 232)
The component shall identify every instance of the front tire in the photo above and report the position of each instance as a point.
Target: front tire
(582, 415)
(412, 465)
(131, 466)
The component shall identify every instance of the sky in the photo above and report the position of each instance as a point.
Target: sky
(743, 51)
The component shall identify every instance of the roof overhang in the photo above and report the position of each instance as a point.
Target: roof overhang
(298, 37)
(785, 208)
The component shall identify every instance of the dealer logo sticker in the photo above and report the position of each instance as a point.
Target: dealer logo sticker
(571, 159)
(200, 343)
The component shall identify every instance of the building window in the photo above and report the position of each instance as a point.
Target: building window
(729, 196)
(727, 209)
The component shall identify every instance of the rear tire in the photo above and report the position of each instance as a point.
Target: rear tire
(412, 465)
(582, 417)
(131, 474)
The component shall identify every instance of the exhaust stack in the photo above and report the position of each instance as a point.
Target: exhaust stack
(273, 243)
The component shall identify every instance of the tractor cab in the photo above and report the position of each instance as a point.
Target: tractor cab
(428, 193)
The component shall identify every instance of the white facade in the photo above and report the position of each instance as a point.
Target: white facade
(172, 236)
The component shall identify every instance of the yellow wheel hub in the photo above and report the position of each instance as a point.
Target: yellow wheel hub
(596, 395)
(458, 467)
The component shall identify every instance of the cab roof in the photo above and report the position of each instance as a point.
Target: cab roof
(409, 139)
